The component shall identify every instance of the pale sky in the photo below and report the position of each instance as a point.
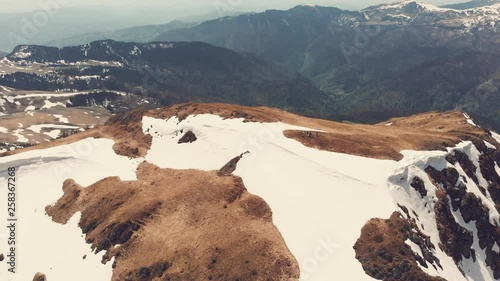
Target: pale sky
(192, 7)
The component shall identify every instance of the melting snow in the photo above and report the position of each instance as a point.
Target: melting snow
(49, 104)
(496, 136)
(469, 119)
(53, 134)
(307, 189)
(61, 118)
(30, 108)
(48, 247)
(40, 127)
(320, 200)
(20, 138)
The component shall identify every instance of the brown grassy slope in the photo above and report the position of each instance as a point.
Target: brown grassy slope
(383, 253)
(125, 130)
(179, 225)
(428, 131)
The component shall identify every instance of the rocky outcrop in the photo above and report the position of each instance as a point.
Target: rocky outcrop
(465, 162)
(40, 277)
(419, 186)
(230, 166)
(456, 241)
(189, 137)
(384, 255)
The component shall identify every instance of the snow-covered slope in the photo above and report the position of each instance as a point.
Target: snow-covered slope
(320, 200)
(411, 12)
(309, 191)
(423, 208)
(42, 245)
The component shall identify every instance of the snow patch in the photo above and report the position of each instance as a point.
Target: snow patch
(56, 249)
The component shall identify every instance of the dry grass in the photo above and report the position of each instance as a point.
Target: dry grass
(76, 117)
(428, 131)
(382, 251)
(179, 225)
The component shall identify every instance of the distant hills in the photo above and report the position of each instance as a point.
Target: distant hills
(138, 34)
(471, 4)
(375, 63)
(169, 73)
(385, 61)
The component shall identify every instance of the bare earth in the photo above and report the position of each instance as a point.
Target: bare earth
(77, 117)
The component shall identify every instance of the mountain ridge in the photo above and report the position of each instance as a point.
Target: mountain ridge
(355, 56)
(415, 231)
(169, 72)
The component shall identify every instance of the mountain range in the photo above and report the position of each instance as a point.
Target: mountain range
(357, 58)
(169, 73)
(371, 65)
(138, 34)
(470, 5)
(309, 144)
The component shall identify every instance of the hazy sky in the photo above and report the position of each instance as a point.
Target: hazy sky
(187, 7)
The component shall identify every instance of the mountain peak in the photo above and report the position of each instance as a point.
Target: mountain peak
(407, 5)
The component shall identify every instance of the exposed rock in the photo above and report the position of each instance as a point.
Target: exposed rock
(419, 186)
(230, 166)
(384, 255)
(189, 137)
(447, 178)
(40, 277)
(465, 162)
(456, 240)
(436, 131)
(487, 166)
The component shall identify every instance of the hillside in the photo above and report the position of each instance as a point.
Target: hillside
(167, 73)
(354, 57)
(249, 199)
(139, 34)
(470, 4)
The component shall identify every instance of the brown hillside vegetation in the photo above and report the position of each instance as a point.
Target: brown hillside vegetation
(179, 225)
(384, 255)
(428, 131)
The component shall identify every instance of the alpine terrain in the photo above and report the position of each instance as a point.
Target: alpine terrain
(224, 192)
(384, 61)
(140, 141)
